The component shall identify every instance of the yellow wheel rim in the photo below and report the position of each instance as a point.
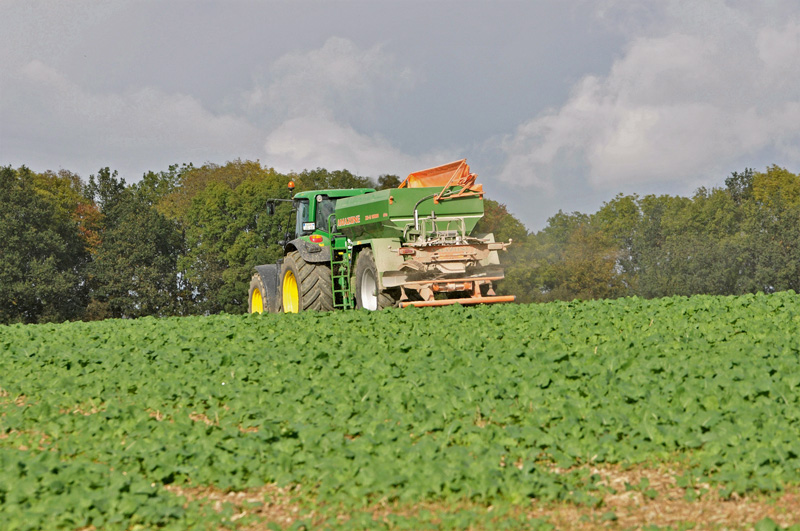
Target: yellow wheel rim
(256, 302)
(291, 297)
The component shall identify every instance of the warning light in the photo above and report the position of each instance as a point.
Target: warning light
(316, 238)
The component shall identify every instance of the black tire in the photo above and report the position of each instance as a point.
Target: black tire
(264, 296)
(313, 284)
(368, 292)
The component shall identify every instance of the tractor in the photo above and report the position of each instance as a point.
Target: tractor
(407, 246)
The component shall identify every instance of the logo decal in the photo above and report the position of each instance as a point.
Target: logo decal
(351, 220)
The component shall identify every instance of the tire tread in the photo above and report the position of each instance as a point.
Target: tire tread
(314, 282)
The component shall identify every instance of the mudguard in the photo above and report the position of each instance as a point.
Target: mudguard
(311, 252)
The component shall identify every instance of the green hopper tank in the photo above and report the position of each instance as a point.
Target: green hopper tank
(390, 213)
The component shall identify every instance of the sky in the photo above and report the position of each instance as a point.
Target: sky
(555, 104)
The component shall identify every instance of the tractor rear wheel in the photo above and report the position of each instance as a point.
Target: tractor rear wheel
(368, 292)
(305, 286)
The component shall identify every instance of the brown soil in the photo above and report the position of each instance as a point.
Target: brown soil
(666, 504)
(268, 504)
(625, 506)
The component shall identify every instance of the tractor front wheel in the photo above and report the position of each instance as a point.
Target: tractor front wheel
(368, 293)
(305, 286)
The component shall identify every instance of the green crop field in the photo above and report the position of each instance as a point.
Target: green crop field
(440, 418)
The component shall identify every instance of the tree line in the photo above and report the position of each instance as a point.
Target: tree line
(742, 237)
(184, 241)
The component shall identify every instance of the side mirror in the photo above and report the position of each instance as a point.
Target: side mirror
(270, 208)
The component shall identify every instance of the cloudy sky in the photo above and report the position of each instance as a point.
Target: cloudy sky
(557, 105)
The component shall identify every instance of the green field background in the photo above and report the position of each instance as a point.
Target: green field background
(490, 405)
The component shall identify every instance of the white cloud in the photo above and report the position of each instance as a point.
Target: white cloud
(315, 100)
(128, 130)
(779, 49)
(684, 101)
(339, 78)
(310, 142)
(321, 97)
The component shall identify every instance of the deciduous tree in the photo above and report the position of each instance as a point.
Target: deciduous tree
(42, 257)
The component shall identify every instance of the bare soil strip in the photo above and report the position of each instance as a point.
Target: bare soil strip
(625, 506)
(268, 504)
(664, 503)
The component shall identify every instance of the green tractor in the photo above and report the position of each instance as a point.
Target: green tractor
(362, 248)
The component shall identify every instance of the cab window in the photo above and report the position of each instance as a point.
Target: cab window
(325, 207)
(302, 217)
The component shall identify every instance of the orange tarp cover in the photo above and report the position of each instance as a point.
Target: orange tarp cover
(454, 174)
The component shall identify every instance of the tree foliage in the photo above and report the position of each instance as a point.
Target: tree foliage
(228, 232)
(42, 252)
(387, 181)
(742, 238)
(134, 269)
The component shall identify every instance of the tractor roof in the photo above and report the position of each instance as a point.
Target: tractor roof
(336, 193)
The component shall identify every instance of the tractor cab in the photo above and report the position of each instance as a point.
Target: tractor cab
(315, 220)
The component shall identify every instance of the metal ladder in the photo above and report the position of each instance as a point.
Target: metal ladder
(340, 272)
